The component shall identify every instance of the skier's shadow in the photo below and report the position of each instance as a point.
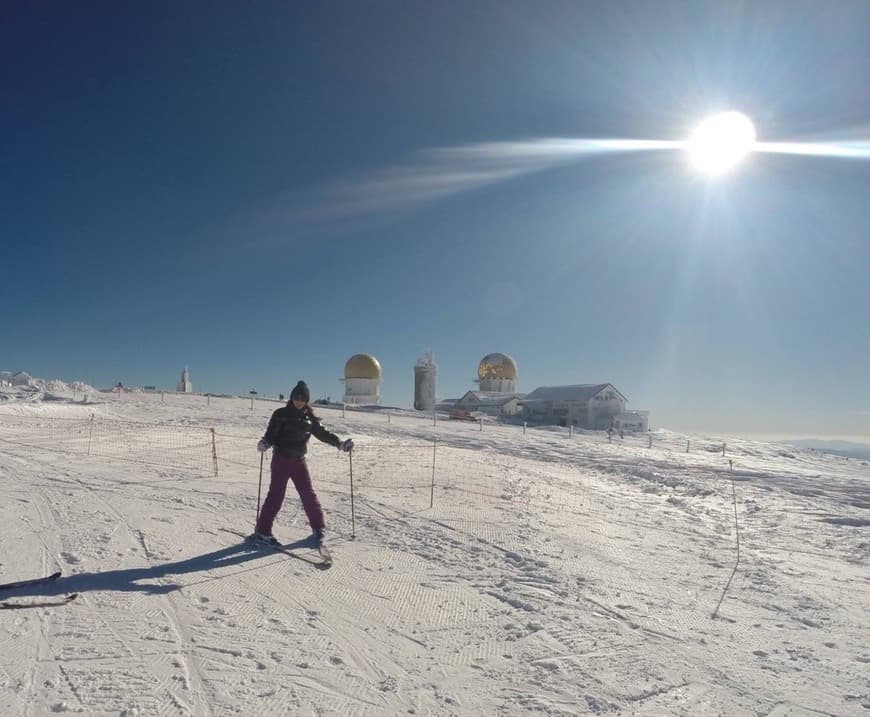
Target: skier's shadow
(137, 579)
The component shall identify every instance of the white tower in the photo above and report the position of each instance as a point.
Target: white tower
(497, 373)
(425, 374)
(184, 385)
(362, 379)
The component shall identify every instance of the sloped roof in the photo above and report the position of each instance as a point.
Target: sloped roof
(493, 401)
(577, 392)
(489, 398)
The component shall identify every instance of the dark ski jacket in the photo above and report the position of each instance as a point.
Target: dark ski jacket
(289, 430)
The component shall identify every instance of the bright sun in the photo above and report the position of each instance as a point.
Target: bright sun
(721, 141)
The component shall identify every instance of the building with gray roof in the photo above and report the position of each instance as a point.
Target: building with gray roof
(590, 406)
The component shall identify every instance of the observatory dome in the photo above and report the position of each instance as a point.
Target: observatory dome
(497, 366)
(362, 366)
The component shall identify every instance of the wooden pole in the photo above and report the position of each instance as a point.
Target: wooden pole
(214, 454)
(432, 488)
(91, 434)
(352, 512)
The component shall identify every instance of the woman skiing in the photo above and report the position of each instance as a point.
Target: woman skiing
(288, 432)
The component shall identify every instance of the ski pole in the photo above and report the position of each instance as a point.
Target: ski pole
(259, 487)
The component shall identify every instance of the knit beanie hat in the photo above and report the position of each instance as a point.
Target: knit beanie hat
(300, 390)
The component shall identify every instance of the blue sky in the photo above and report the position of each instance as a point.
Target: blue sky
(260, 190)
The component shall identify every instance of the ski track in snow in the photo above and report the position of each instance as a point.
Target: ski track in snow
(555, 574)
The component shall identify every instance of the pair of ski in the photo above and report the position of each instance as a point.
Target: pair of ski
(22, 604)
(325, 556)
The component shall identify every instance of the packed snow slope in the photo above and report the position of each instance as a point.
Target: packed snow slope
(479, 569)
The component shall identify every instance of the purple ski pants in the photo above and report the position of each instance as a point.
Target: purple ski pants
(286, 468)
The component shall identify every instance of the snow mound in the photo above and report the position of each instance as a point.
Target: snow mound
(54, 390)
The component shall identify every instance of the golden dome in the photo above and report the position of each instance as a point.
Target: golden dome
(362, 366)
(497, 366)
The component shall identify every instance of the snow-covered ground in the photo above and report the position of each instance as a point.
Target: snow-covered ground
(554, 574)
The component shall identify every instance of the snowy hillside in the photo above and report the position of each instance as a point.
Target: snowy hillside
(553, 574)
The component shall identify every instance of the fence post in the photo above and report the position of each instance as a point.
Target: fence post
(480, 422)
(352, 512)
(723, 448)
(432, 488)
(650, 441)
(91, 434)
(388, 417)
(208, 400)
(162, 397)
(687, 446)
(214, 452)
(737, 561)
(434, 417)
(343, 407)
(524, 428)
(736, 524)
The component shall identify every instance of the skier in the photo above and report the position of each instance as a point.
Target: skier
(288, 432)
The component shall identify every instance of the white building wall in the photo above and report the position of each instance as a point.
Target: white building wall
(511, 408)
(184, 385)
(632, 421)
(603, 410)
(498, 385)
(362, 390)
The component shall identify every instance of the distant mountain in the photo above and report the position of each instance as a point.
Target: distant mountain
(838, 448)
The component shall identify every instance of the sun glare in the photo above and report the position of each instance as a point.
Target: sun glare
(721, 141)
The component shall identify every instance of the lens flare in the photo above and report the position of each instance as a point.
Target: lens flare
(720, 142)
